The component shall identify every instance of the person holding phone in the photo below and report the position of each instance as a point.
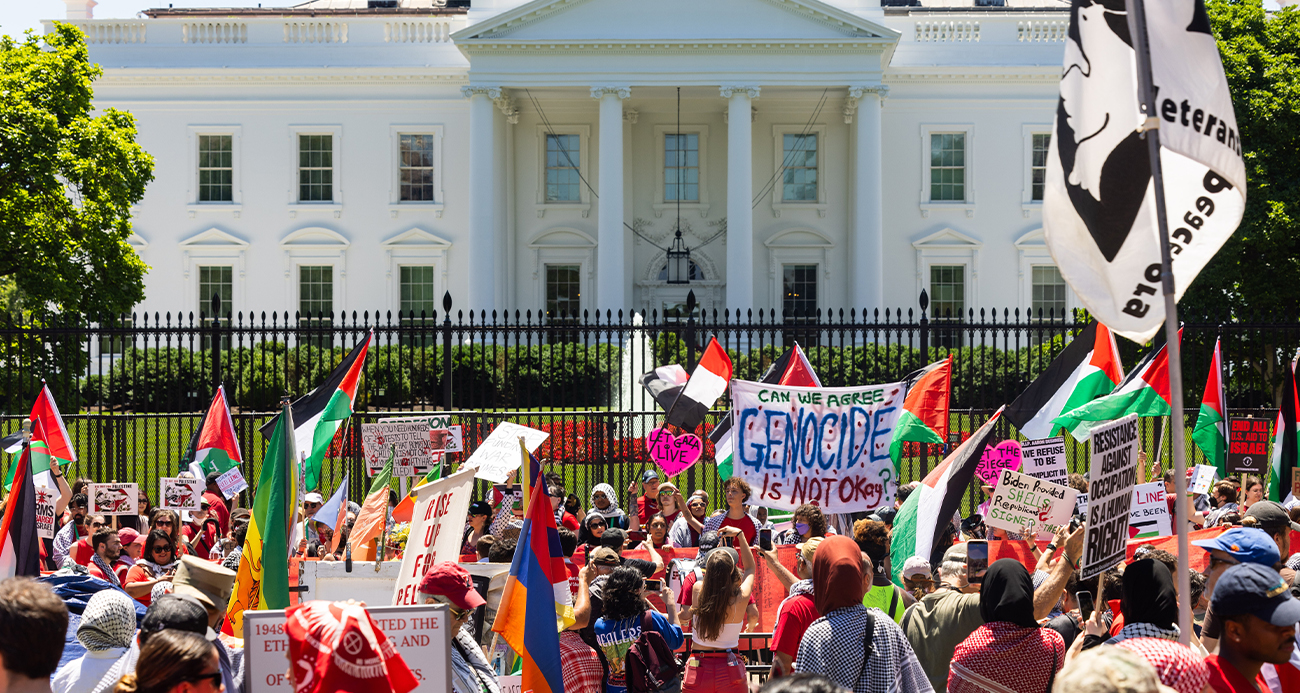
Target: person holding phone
(625, 615)
(721, 599)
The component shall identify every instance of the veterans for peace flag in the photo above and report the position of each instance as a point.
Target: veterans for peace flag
(1099, 201)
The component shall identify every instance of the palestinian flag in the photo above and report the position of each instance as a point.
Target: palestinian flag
(1211, 432)
(1086, 369)
(665, 383)
(20, 548)
(1285, 450)
(707, 383)
(374, 514)
(1144, 391)
(262, 581)
(50, 440)
(792, 368)
(214, 447)
(925, 409)
(321, 412)
(920, 523)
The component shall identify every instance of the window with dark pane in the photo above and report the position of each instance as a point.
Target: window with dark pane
(1038, 166)
(682, 167)
(315, 168)
(1048, 287)
(562, 179)
(416, 168)
(948, 167)
(219, 280)
(417, 304)
(799, 168)
(799, 289)
(563, 291)
(216, 168)
(947, 301)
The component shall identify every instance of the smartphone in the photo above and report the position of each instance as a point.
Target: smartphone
(765, 539)
(636, 536)
(1085, 604)
(977, 560)
(727, 541)
(654, 585)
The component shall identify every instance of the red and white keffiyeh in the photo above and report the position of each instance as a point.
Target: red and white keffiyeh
(1176, 665)
(1002, 657)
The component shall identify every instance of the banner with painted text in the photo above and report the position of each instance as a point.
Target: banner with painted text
(1112, 474)
(436, 524)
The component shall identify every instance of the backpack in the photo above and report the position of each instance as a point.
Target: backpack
(650, 663)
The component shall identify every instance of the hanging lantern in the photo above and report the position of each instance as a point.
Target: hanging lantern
(679, 262)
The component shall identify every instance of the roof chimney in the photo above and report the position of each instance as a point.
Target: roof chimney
(81, 9)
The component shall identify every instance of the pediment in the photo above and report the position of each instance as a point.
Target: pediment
(416, 237)
(947, 238)
(1034, 240)
(315, 237)
(562, 238)
(677, 20)
(799, 238)
(214, 238)
(137, 242)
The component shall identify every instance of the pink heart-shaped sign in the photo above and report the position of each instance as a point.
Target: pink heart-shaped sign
(673, 454)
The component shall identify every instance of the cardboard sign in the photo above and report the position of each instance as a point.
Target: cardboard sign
(446, 439)
(231, 482)
(180, 493)
(1021, 500)
(436, 525)
(45, 498)
(1247, 446)
(1112, 474)
(498, 454)
(1202, 479)
(673, 454)
(421, 634)
(1149, 516)
(407, 441)
(823, 445)
(1005, 455)
(1045, 459)
(510, 684)
(113, 499)
(1295, 482)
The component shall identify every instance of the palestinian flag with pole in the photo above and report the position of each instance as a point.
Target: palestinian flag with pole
(320, 413)
(214, 447)
(20, 547)
(925, 409)
(1285, 451)
(792, 368)
(1211, 432)
(50, 443)
(1088, 368)
(920, 523)
(1144, 391)
(262, 581)
(707, 383)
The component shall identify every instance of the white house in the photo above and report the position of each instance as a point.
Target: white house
(365, 155)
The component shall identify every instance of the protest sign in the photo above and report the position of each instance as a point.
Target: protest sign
(1202, 479)
(1112, 474)
(436, 524)
(113, 499)
(498, 454)
(1045, 459)
(1005, 455)
(180, 493)
(1081, 505)
(1149, 516)
(406, 441)
(673, 454)
(231, 482)
(510, 684)
(421, 634)
(826, 445)
(1295, 482)
(1247, 446)
(45, 498)
(446, 439)
(1022, 500)
(434, 421)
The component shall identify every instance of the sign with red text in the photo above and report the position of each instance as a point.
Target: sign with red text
(231, 482)
(45, 498)
(1149, 515)
(420, 633)
(113, 499)
(823, 445)
(437, 522)
(1004, 455)
(180, 493)
(1022, 500)
(1247, 446)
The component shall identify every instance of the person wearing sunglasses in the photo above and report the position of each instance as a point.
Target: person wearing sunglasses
(74, 529)
(157, 563)
(604, 502)
(174, 661)
(685, 530)
(169, 522)
(449, 584)
(593, 528)
(1237, 545)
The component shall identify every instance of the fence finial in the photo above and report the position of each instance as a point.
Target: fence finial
(925, 300)
(446, 302)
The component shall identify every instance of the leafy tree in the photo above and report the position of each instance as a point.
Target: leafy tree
(67, 181)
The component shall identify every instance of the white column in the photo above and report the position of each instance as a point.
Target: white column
(482, 222)
(740, 194)
(609, 208)
(867, 243)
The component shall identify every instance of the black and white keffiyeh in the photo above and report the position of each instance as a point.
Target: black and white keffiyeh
(1143, 630)
(108, 621)
(832, 647)
(107, 570)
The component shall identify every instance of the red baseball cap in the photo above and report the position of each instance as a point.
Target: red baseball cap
(334, 646)
(127, 536)
(449, 580)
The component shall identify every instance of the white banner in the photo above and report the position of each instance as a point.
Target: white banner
(826, 445)
(1112, 475)
(1021, 500)
(406, 440)
(437, 523)
(1149, 516)
(498, 454)
(45, 498)
(1045, 459)
(180, 493)
(113, 499)
(231, 482)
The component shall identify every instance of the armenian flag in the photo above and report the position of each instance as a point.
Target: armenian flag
(536, 604)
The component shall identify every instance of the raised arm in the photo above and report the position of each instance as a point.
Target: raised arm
(783, 573)
(746, 562)
(654, 556)
(65, 491)
(1046, 596)
(582, 600)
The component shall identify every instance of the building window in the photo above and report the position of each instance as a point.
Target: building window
(215, 279)
(696, 274)
(216, 168)
(315, 296)
(416, 168)
(682, 167)
(315, 168)
(1038, 166)
(948, 167)
(562, 178)
(947, 291)
(563, 291)
(799, 168)
(116, 344)
(417, 292)
(1048, 287)
(799, 288)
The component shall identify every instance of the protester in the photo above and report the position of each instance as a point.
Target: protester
(1150, 603)
(1259, 619)
(1252, 492)
(856, 647)
(107, 549)
(583, 671)
(671, 502)
(647, 504)
(33, 624)
(809, 522)
(657, 532)
(563, 518)
(107, 630)
(709, 542)
(626, 618)
(82, 552)
(73, 530)
(217, 501)
(1010, 634)
(1107, 669)
(604, 502)
(1274, 520)
(168, 521)
(1237, 545)
(1177, 666)
(944, 618)
(1069, 623)
(796, 612)
(476, 528)
(157, 564)
(686, 530)
(175, 612)
(904, 490)
(873, 538)
(723, 598)
(1224, 501)
(212, 585)
(918, 579)
(174, 661)
(593, 528)
(132, 544)
(737, 493)
(602, 561)
(448, 583)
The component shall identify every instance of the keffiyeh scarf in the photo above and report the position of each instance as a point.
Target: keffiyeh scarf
(1177, 666)
(108, 621)
(1143, 630)
(157, 568)
(107, 569)
(980, 662)
(470, 671)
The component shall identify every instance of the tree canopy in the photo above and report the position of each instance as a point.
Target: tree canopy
(68, 179)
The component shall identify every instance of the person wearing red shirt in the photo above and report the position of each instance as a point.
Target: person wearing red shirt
(217, 503)
(797, 611)
(104, 562)
(1259, 618)
(737, 494)
(563, 518)
(647, 505)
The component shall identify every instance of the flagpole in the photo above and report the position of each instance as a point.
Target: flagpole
(1142, 49)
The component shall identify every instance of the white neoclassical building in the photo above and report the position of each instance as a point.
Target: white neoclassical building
(372, 154)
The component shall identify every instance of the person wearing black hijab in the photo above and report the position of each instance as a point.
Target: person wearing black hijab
(1149, 602)
(1008, 594)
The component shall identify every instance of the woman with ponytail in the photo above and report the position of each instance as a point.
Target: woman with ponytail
(174, 661)
(720, 600)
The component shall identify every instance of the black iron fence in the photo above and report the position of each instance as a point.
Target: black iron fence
(132, 389)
